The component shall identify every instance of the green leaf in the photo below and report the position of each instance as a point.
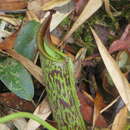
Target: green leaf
(26, 40)
(16, 78)
(12, 73)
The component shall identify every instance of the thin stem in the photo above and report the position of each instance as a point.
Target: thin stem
(26, 115)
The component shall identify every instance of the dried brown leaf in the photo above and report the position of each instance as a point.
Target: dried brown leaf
(80, 56)
(107, 8)
(54, 3)
(98, 105)
(12, 101)
(91, 7)
(35, 12)
(120, 119)
(20, 123)
(10, 20)
(12, 4)
(4, 127)
(8, 43)
(86, 108)
(117, 76)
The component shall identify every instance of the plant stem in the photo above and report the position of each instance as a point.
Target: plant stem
(26, 115)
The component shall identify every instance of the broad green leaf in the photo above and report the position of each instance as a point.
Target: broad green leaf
(26, 40)
(16, 78)
(12, 73)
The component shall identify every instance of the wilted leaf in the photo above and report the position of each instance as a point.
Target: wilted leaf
(12, 4)
(16, 78)
(117, 76)
(91, 7)
(25, 43)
